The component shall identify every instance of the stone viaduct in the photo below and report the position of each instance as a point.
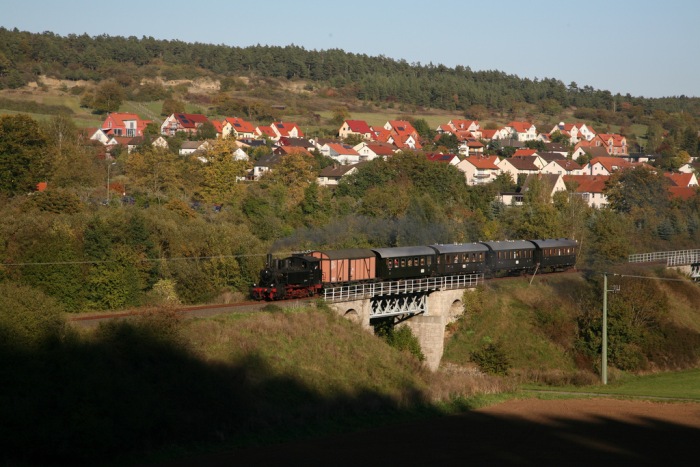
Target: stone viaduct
(442, 308)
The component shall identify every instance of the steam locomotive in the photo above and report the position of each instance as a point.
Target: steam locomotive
(307, 274)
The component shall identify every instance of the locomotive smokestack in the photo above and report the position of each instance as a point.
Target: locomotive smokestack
(269, 260)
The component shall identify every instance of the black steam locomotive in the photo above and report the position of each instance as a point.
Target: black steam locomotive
(306, 274)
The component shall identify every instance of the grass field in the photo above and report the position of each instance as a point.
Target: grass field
(681, 385)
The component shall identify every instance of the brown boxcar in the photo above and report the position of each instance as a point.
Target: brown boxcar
(349, 265)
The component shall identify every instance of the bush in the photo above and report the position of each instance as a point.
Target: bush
(29, 319)
(401, 338)
(404, 339)
(492, 359)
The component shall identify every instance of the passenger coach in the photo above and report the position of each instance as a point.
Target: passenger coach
(555, 254)
(405, 262)
(510, 256)
(460, 258)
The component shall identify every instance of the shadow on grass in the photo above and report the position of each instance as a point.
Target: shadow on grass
(133, 390)
(133, 394)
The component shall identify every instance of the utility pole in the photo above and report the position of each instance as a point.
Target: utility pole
(604, 350)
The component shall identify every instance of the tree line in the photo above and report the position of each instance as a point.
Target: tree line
(25, 56)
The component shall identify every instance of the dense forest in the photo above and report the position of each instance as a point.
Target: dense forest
(25, 56)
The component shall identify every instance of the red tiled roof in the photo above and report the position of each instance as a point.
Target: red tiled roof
(240, 125)
(568, 164)
(588, 183)
(191, 120)
(358, 126)
(483, 162)
(381, 149)
(285, 128)
(342, 149)
(439, 157)
(524, 152)
(682, 192)
(523, 163)
(266, 131)
(520, 127)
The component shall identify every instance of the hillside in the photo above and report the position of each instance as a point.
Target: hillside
(161, 388)
(131, 389)
(263, 83)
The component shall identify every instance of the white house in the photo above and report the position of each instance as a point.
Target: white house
(479, 170)
(342, 153)
(515, 166)
(330, 176)
(372, 150)
(522, 131)
(563, 167)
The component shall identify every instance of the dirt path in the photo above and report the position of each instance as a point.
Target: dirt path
(522, 432)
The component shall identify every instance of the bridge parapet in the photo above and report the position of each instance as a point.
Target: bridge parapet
(671, 258)
(406, 287)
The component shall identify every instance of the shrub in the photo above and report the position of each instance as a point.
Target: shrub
(28, 318)
(402, 338)
(492, 359)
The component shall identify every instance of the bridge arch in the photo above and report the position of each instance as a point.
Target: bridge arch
(456, 310)
(353, 316)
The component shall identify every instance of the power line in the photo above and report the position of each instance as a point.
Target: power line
(142, 260)
(654, 278)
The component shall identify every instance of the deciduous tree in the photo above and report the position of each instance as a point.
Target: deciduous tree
(23, 161)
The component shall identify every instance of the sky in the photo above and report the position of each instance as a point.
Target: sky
(641, 47)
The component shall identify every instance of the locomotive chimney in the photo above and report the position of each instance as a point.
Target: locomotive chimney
(268, 263)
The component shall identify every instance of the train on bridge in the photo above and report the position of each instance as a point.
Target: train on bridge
(306, 274)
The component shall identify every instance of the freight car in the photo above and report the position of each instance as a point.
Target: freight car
(306, 274)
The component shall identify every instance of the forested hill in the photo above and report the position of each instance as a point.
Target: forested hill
(24, 56)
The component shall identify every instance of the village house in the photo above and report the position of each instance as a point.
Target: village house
(606, 165)
(589, 188)
(552, 183)
(190, 147)
(522, 131)
(402, 128)
(479, 170)
(615, 145)
(124, 124)
(451, 159)
(355, 128)
(288, 129)
(186, 123)
(372, 150)
(265, 164)
(563, 167)
(237, 128)
(515, 166)
(342, 153)
(331, 175)
(497, 134)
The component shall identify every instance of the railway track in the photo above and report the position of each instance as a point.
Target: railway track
(199, 311)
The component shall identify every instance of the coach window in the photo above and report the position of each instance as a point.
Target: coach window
(410, 262)
(388, 263)
(438, 259)
(517, 254)
(396, 263)
(430, 260)
(422, 261)
(403, 263)
(415, 261)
